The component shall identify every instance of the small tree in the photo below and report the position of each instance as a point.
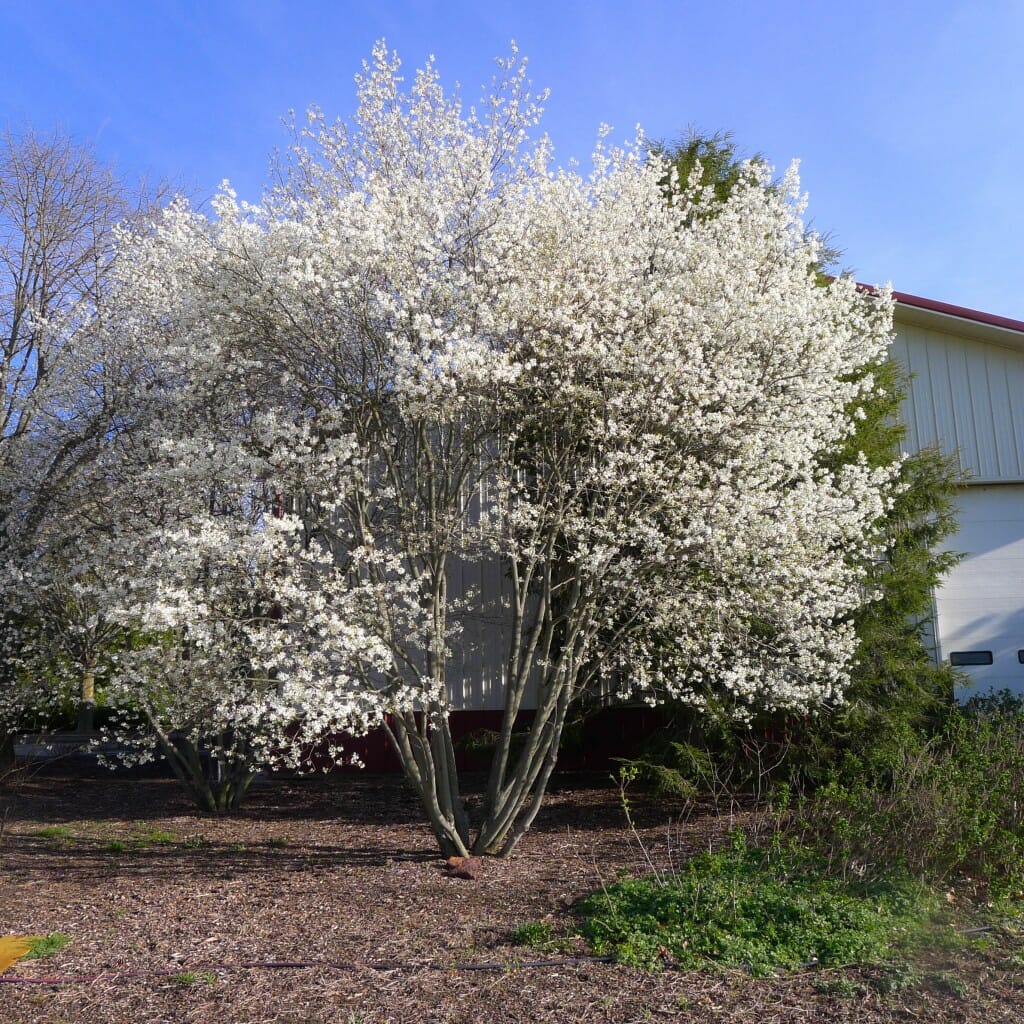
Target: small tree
(63, 635)
(211, 680)
(452, 353)
(239, 640)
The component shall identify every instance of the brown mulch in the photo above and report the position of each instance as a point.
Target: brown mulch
(325, 900)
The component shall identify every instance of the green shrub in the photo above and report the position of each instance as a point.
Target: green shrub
(944, 807)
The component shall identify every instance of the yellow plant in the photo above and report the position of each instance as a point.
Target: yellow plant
(13, 948)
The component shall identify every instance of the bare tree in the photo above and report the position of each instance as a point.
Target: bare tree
(59, 206)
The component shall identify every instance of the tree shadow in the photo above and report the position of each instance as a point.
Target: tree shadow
(28, 856)
(58, 795)
(111, 825)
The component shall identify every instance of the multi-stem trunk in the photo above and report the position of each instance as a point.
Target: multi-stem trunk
(215, 785)
(423, 742)
(550, 624)
(424, 746)
(427, 754)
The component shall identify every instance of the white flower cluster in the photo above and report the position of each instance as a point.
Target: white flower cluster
(426, 347)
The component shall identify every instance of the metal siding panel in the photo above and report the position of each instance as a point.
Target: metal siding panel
(960, 434)
(474, 664)
(1007, 455)
(925, 398)
(1015, 398)
(937, 410)
(967, 396)
(1015, 389)
(981, 404)
(900, 351)
(963, 444)
(494, 638)
(1007, 462)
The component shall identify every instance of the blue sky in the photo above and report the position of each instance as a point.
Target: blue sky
(908, 117)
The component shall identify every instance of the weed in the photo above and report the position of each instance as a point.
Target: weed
(47, 946)
(195, 842)
(141, 839)
(943, 981)
(898, 976)
(152, 837)
(59, 833)
(844, 988)
(194, 977)
(535, 934)
(744, 908)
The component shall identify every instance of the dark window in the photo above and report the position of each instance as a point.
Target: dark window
(972, 657)
(1020, 657)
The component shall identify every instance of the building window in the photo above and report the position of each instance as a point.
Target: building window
(974, 657)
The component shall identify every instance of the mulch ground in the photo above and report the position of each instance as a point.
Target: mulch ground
(324, 900)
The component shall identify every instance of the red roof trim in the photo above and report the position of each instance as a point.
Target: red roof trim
(960, 311)
(947, 308)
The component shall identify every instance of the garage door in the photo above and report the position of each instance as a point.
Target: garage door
(980, 605)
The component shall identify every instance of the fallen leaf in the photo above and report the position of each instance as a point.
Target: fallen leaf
(463, 867)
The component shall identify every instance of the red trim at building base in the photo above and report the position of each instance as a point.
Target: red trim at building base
(593, 745)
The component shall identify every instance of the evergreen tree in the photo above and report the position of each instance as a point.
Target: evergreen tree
(897, 684)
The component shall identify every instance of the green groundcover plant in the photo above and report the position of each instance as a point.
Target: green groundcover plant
(856, 872)
(758, 910)
(47, 945)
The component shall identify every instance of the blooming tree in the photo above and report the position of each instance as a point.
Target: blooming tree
(427, 347)
(239, 622)
(231, 669)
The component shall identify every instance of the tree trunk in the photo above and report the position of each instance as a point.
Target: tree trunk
(87, 699)
(428, 760)
(6, 749)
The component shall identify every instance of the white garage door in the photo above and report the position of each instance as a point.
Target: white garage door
(980, 606)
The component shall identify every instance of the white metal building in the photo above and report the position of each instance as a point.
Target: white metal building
(967, 396)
